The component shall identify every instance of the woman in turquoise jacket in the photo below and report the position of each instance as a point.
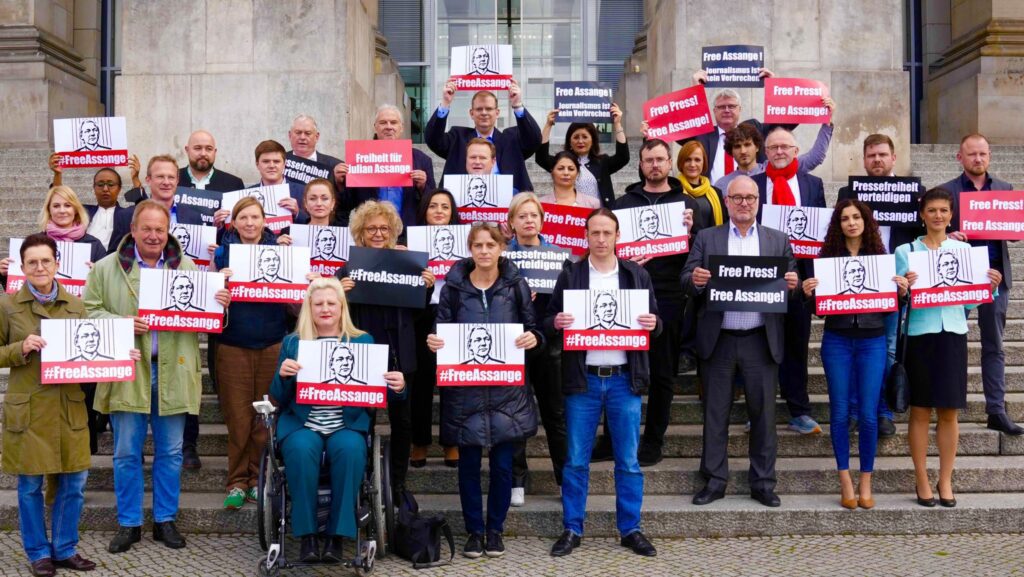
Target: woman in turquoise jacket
(936, 356)
(306, 431)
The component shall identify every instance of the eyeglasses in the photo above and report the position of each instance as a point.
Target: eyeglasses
(105, 184)
(654, 161)
(375, 230)
(779, 147)
(43, 263)
(751, 199)
(726, 106)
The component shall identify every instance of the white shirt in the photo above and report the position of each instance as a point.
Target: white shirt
(743, 246)
(202, 183)
(718, 166)
(102, 224)
(793, 186)
(604, 281)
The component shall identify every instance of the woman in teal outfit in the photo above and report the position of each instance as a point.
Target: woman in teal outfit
(306, 431)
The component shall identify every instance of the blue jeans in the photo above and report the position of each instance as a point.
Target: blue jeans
(499, 493)
(129, 437)
(867, 358)
(67, 509)
(891, 321)
(582, 414)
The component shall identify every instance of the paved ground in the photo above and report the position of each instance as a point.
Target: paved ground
(836, 556)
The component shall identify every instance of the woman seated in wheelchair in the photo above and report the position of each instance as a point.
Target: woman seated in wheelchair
(305, 432)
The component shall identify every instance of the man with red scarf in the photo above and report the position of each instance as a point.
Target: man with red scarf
(783, 183)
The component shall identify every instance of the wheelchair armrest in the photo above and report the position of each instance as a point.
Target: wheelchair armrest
(264, 407)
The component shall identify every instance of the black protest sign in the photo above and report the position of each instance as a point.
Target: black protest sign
(540, 266)
(203, 203)
(747, 284)
(583, 101)
(892, 198)
(736, 65)
(387, 277)
(303, 170)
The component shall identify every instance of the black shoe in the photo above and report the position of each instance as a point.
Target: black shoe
(945, 502)
(75, 562)
(332, 550)
(124, 538)
(639, 544)
(494, 547)
(707, 495)
(474, 546)
(43, 568)
(1003, 424)
(602, 450)
(168, 533)
(929, 502)
(190, 458)
(686, 364)
(767, 497)
(886, 428)
(648, 454)
(309, 551)
(565, 544)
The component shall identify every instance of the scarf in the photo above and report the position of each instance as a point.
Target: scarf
(781, 193)
(43, 299)
(72, 233)
(705, 190)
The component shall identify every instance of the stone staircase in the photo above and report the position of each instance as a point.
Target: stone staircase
(989, 477)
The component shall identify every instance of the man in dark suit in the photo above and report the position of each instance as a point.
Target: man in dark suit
(514, 145)
(749, 342)
(783, 184)
(304, 136)
(974, 156)
(200, 172)
(388, 125)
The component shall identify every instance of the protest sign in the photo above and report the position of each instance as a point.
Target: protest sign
(735, 65)
(566, 226)
(444, 244)
(482, 67)
(893, 199)
(87, 350)
(805, 226)
(481, 197)
(91, 142)
(195, 241)
(539, 265)
(376, 163)
(678, 115)
(341, 373)
(652, 231)
(992, 215)
(205, 202)
(583, 101)
(855, 284)
(387, 277)
(747, 284)
(71, 268)
(795, 101)
(268, 273)
(328, 246)
(950, 276)
(480, 354)
(606, 320)
(277, 217)
(303, 170)
(181, 300)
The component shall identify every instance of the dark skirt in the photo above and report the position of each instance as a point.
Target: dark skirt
(937, 368)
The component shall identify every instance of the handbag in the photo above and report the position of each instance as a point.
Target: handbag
(897, 387)
(418, 538)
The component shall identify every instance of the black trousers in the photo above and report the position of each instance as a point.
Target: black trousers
(544, 375)
(664, 359)
(401, 439)
(421, 390)
(191, 435)
(793, 370)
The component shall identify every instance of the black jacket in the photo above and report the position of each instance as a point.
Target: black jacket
(123, 223)
(576, 276)
(220, 181)
(601, 166)
(484, 416)
(349, 198)
(898, 234)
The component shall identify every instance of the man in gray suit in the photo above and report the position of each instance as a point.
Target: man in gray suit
(727, 342)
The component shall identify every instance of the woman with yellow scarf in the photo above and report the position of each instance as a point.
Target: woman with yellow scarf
(692, 164)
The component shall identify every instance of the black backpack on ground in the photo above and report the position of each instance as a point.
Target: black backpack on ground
(418, 538)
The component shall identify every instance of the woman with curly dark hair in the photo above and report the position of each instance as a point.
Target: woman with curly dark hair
(853, 352)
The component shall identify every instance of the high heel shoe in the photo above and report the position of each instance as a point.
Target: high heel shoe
(930, 502)
(944, 502)
(848, 503)
(451, 456)
(866, 502)
(418, 457)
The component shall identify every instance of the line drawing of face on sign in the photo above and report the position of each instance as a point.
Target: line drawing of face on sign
(606, 309)
(648, 223)
(476, 193)
(481, 61)
(325, 245)
(479, 343)
(268, 265)
(947, 268)
(181, 292)
(184, 238)
(854, 277)
(796, 225)
(444, 245)
(61, 265)
(87, 343)
(89, 137)
(343, 364)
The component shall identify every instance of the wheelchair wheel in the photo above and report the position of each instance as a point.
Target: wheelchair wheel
(381, 497)
(267, 524)
(389, 505)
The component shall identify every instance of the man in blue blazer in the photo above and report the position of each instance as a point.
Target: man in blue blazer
(514, 144)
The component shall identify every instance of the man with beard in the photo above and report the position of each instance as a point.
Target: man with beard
(200, 173)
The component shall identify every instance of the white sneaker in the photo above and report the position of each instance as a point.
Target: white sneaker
(518, 496)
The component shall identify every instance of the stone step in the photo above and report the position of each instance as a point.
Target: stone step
(663, 516)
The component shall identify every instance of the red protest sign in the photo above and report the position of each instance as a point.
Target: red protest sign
(992, 215)
(795, 101)
(566, 226)
(378, 163)
(680, 114)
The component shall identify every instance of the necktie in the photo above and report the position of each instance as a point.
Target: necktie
(730, 164)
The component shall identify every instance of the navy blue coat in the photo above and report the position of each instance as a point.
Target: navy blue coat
(351, 197)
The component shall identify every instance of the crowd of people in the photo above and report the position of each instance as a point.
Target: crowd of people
(724, 179)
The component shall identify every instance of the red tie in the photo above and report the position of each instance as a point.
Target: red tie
(730, 165)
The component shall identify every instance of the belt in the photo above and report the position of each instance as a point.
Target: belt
(606, 370)
(744, 332)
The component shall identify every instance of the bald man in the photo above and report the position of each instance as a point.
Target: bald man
(200, 173)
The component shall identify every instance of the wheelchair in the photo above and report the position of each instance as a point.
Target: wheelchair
(375, 514)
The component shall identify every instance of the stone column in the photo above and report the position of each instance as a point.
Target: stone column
(49, 62)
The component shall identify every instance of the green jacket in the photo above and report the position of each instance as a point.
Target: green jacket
(44, 425)
(112, 291)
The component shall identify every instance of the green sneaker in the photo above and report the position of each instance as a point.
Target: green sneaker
(235, 499)
(250, 495)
